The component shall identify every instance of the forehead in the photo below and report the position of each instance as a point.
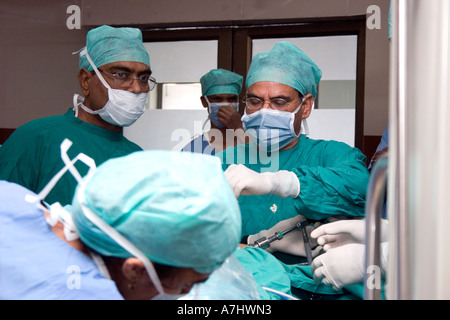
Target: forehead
(131, 66)
(222, 96)
(270, 89)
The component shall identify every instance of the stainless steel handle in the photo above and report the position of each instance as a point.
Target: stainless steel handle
(374, 209)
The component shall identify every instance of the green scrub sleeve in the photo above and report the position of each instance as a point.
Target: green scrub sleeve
(332, 190)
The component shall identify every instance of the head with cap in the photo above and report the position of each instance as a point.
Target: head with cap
(221, 88)
(221, 81)
(286, 64)
(176, 208)
(107, 44)
(116, 53)
(285, 79)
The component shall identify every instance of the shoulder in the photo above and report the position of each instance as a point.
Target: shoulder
(38, 127)
(329, 145)
(132, 146)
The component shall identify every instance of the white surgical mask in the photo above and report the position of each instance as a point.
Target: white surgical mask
(271, 129)
(123, 107)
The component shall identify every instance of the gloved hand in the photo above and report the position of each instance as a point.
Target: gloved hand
(342, 232)
(341, 266)
(292, 243)
(245, 181)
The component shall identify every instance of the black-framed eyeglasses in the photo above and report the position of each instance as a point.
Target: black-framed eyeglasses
(124, 80)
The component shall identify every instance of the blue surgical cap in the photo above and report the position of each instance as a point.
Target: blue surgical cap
(286, 64)
(221, 81)
(106, 44)
(177, 208)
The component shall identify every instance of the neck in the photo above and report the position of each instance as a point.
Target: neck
(96, 120)
(291, 144)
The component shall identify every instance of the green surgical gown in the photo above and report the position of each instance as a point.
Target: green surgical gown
(333, 181)
(31, 156)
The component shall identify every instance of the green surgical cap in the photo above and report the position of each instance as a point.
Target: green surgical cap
(177, 208)
(221, 81)
(106, 44)
(286, 64)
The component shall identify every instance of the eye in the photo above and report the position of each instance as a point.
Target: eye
(279, 103)
(144, 77)
(122, 75)
(254, 101)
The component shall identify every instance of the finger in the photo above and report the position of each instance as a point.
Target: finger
(341, 226)
(315, 252)
(320, 231)
(316, 263)
(233, 179)
(319, 275)
(329, 246)
(326, 239)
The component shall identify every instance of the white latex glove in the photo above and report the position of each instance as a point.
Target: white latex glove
(292, 243)
(245, 181)
(342, 232)
(341, 266)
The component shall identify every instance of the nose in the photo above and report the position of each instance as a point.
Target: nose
(135, 87)
(264, 105)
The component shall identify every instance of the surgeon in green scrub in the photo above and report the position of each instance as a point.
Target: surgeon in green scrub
(115, 78)
(283, 174)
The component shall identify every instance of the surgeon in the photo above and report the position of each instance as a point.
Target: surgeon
(115, 80)
(141, 226)
(220, 96)
(282, 174)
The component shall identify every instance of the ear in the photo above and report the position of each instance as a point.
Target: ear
(84, 78)
(133, 269)
(204, 103)
(307, 106)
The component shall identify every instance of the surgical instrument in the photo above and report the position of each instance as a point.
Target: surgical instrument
(265, 242)
(303, 224)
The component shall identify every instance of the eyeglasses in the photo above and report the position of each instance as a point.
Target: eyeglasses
(124, 80)
(256, 103)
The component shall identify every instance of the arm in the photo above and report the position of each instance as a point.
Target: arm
(336, 187)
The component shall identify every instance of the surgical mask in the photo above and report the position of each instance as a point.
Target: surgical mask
(214, 107)
(271, 129)
(95, 219)
(123, 107)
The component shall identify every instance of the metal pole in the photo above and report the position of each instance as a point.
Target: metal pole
(374, 210)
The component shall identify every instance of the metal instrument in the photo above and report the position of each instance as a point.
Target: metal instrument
(265, 242)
